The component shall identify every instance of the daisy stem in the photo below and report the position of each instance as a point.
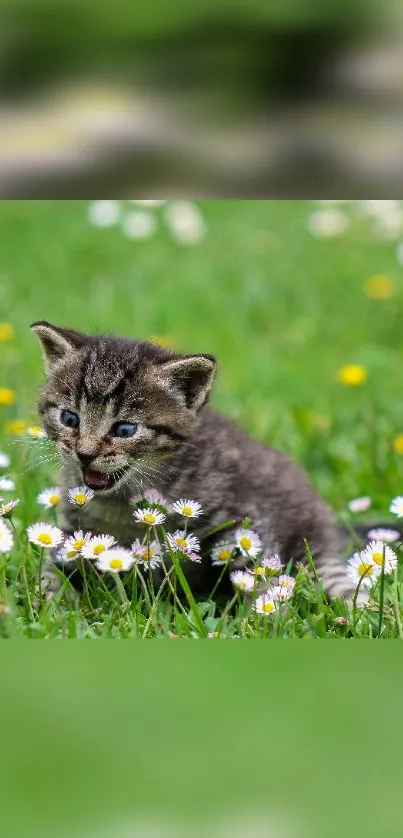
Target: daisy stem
(85, 580)
(225, 566)
(23, 571)
(155, 603)
(185, 587)
(396, 604)
(381, 594)
(226, 611)
(311, 561)
(121, 591)
(40, 580)
(356, 592)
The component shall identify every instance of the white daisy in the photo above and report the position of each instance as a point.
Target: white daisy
(139, 224)
(243, 580)
(80, 495)
(264, 605)
(222, 553)
(187, 508)
(96, 545)
(36, 432)
(377, 552)
(6, 484)
(284, 590)
(396, 506)
(185, 222)
(362, 567)
(149, 516)
(359, 504)
(381, 534)
(74, 545)
(185, 542)
(7, 508)
(271, 562)
(49, 497)
(4, 460)
(104, 213)
(6, 538)
(153, 497)
(148, 555)
(248, 542)
(45, 535)
(115, 560)
(327, 222)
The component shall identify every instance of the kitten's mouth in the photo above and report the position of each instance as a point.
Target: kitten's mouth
(99, 480)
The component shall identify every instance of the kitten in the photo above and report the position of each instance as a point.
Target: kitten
(128, 414)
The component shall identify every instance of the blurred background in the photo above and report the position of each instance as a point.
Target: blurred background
(244, 99)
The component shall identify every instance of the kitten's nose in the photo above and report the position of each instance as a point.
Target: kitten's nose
(85, 459)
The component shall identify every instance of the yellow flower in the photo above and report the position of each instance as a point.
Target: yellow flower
(6, 332)
(352, 375)
(379, 287)
(6, 396)
(15, 427)
(398, 443)
(165, 341)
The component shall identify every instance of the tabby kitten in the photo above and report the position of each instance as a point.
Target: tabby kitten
(127, 414)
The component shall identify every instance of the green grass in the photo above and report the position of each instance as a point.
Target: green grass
(281, 310)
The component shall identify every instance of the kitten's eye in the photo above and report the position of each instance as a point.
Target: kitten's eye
(69, 418)
(124, 429)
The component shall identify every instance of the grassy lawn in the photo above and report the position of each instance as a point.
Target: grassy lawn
(283, 311)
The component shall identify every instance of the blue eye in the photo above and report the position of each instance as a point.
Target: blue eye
(124, 429)
(70, 419)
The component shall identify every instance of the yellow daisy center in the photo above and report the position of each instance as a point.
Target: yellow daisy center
(54, 499)
(268, 607)
(378, 558)
(71, 553)
(80, 498)
(116, 564)
(149, 518)
(260, 571)
(99, 549)
(78, 544)
(35, 430)
(224, 555)
(187, 510)
(147, 554)
(181, 542)
(245, 542)
(365, 569)
(44, 538)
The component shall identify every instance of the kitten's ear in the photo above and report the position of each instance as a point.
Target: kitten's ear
(191, 376)
(56, 342)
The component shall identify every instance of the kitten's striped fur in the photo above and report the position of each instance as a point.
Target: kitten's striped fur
(181, 448)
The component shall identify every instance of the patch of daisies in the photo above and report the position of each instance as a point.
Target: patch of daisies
(332, 219)
(139, 220)
(366, 566)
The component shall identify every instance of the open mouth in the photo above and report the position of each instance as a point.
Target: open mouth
(99, 480)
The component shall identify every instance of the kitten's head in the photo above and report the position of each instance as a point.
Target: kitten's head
(114, 404)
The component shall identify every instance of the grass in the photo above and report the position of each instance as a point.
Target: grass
(283, 312)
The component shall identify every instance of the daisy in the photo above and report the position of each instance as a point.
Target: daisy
(4, 460)
(7, 508)
(248, 542)
(149, 516)
(386, 535)
(80, 495)
(264, 605)
(96, 545)
(361, 567)
(396, 506)
(280, 593)
(271, 562)
(360, 504)
(36, 432)
(75, 543)
(187, 508)
(6, 484)
(286, 581)
(115, 560)
(44, 535)
(152, 497)
(6, 538)
(377, 552)
(243, 580)
(185, 542)
(49, 497)
(148, 555)
(222, 553)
